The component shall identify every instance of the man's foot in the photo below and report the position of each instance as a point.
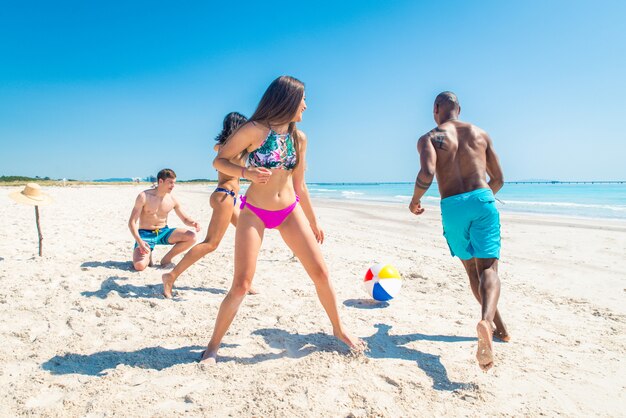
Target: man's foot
(356, 345)
(208, 357)
(168, 284)
(150, 263)
(484, 354)
(501, 335)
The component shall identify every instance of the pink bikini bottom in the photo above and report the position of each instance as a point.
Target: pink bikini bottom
(271, 218)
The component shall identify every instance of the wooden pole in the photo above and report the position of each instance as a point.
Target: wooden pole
(38, 228)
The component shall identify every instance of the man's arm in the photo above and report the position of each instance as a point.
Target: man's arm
(494, 170)
(183, 216)
(428, 164)
(134, 219)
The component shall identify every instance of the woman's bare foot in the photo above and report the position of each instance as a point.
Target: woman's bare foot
(356, 345)
(168, 284)
(208, 357)
(253, 291)
(484, 354)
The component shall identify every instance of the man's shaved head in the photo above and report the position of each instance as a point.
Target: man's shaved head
(447, 101)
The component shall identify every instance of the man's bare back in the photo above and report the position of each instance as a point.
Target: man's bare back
(464, 154)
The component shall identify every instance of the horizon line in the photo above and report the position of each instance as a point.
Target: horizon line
(4, 178)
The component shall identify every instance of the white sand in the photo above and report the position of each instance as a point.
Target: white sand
(84, 335)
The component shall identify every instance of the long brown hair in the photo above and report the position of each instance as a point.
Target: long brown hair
(279, 105)
(232, 122)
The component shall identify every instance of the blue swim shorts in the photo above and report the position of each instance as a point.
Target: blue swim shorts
(471, 224)
(154, 237)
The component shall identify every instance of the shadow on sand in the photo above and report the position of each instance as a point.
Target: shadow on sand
(153, 291)
(291, 345)
(118, 265)
(157, 358)
(381, 345)
(365, 304)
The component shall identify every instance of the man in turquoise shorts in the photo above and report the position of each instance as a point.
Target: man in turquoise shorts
(461, 155)
(148, 223)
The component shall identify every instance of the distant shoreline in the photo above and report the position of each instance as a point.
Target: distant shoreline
(69, 183)
(21, 180)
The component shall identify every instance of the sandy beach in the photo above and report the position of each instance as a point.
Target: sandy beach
(85, 335)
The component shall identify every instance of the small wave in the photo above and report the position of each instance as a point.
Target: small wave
(351, 193)
(323, 190)
(407, 197)
(618, 208)
(404, 196)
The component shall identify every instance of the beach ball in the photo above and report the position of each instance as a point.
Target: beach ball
(382, 282)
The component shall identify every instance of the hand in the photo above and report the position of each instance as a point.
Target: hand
(144, 248)
(318, 232)
(195, 225)
(416, 207)
(259, 175)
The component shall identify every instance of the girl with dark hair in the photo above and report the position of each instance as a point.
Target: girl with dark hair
(223, 202)
(277, 198)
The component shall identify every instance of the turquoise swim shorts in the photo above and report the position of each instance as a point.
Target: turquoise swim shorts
(156, 237)
(471, 224)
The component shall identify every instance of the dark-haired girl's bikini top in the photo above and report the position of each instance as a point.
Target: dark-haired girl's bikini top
(276, 152)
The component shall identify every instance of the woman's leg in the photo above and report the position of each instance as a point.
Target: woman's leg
(233, 220)
(182, 239)
(235, 216)
(222, 205)
(248, 239)
(298, 235)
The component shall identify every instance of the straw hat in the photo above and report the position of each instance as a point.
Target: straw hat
(31, 195)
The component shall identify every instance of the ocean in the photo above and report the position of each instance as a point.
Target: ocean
(606, 201)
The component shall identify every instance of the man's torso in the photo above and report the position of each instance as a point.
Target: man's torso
(155, 210)
(461, 157)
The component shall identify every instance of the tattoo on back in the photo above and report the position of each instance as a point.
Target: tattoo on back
(438, 140)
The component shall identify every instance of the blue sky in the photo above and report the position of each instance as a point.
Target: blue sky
(121, 89)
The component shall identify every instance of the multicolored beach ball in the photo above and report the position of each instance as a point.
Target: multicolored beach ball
(382, 282)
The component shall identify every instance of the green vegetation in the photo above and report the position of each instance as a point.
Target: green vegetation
(7, 179)
(47, 181)
(197, 181)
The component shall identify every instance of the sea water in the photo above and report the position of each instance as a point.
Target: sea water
(578, 200)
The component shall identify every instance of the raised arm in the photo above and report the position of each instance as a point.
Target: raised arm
(245, 139)
(299, 185)
(428, 164)
(134, 220)
(183, 216)
(494, 170)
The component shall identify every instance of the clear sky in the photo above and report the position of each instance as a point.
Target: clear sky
(122, 89)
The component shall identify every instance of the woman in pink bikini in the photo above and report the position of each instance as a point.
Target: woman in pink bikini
(277, 198)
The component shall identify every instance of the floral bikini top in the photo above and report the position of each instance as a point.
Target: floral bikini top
(277, 151)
